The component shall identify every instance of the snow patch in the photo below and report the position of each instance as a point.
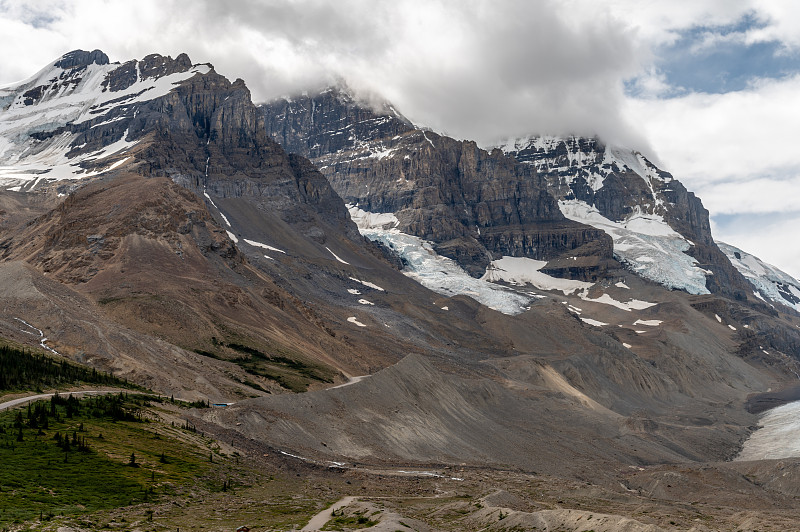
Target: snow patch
(265, 246)
(335, 256)
(365, 302)
(521, 271)
(596, 323)
(354, 321)
(633, 304)
(371, 220)
(368, 284)
(650, 323)
(232, 237)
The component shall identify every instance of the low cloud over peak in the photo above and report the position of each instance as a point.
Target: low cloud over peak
(624, 70)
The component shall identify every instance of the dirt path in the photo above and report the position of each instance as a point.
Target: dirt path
(319, 520)
(352, 380)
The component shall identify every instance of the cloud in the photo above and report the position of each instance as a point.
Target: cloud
(483, 70)
(474, 69)
(730, 137)
(738, 152)
(770, 237)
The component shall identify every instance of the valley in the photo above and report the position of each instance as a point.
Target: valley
(540, 335)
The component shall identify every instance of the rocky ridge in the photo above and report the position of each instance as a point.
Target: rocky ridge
(622, 185)
(474, 205)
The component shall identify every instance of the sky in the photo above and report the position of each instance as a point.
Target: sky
(708, 89)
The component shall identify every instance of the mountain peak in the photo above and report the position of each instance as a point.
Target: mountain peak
(79, 58)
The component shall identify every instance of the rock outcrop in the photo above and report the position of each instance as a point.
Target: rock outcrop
(80, 58)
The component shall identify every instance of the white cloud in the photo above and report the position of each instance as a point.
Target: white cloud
(706, 138)
(772, 239)
(738, 152)
(475, 69)
(752, 196)
(783, 23)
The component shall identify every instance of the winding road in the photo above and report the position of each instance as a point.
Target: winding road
(23, 400)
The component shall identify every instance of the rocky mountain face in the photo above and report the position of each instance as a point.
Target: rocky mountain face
(474, 205)
(152, 225)
(622, 186)
(522, 199)
(173, 197)
(205, 134)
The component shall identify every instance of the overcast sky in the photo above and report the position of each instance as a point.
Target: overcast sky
(710, 89)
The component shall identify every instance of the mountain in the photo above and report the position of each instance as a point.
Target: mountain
(770, 283)
(151, 189)
(652, 218)
(432, 199)
(476, 206)
(567, 314)
(471, 204)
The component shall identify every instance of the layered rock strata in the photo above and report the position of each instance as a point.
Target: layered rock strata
(474, 205)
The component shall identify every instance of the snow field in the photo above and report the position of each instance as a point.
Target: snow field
(69, 96)
(647, 244)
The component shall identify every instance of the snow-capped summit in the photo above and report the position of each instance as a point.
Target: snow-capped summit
(660, 230)
(579, 168)
(68, 120)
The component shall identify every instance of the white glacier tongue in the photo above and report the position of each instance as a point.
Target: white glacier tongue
(444, 276)
(437, 273)
(772, 283)
(778, 435)
(647, 244)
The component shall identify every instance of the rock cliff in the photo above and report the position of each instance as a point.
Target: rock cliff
(623, 185)
(185, 122)
(474, 205)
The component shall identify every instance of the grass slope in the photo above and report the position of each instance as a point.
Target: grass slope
(115, 457)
